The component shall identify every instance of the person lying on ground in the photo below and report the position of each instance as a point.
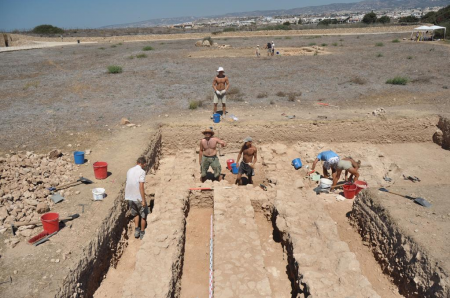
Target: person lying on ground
(330, 160)
(249, 155)
(350, 166)
(207, 155)
(135, 195)
(220, 86)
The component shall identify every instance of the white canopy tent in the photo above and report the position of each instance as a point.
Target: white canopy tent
(422, 29)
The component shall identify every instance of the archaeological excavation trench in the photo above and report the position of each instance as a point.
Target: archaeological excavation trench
(283, 242)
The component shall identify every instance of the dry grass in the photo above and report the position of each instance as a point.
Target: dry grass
(358, 81)
(34, 84)
(281, 94)
(194, 104)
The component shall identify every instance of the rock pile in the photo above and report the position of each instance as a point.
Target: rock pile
(24, 179)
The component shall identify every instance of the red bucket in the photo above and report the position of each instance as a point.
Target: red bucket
(229, 162)
(360, 186)
(50, 222)
(350, 191)
(100, 170)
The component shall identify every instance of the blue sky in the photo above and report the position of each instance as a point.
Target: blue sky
(25, 14)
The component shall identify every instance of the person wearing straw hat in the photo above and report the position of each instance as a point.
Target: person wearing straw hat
(207, 155)
(220, 86)
(249, 155)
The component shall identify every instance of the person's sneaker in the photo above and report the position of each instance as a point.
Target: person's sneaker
(137, 232)
(142, 234)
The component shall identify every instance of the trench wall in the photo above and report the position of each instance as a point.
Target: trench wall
(377, 131)
(413, 270)
(442, 134)
(102, 249)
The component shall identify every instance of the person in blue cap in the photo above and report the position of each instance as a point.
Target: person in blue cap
(330, 160)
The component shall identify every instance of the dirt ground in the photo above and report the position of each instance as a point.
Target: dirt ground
(56, 97)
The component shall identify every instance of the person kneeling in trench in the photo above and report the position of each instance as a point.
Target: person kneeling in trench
(247, 166)
(135, 195)
(207, 155)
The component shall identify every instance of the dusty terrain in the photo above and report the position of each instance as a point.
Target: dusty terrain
(56, 97)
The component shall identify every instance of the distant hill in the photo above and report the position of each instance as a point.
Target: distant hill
(363, 6)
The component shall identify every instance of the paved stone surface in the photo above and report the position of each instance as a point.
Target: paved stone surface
(158, 262)
(238, 263)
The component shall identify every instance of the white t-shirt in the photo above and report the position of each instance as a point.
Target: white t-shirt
(135, 175)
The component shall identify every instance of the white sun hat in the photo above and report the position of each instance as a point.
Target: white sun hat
(220, 69)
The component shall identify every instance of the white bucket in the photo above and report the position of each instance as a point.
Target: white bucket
(99, 194)
(325, 183)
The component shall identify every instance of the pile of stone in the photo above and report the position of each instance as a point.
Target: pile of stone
(24, 179)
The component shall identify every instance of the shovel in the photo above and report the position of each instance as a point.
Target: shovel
(420, 201)
(80, 180)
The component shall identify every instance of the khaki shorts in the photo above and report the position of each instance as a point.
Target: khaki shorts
(136, 208)
(213, 162)
(344, 165)
(222, 98)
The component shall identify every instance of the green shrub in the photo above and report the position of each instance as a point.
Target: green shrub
(114, 69)
(119, 44)
(379, 55)
(408, 19)
(141, 55)
(398, 81)
(384, 20)
(113, 46)
(47, 29)
(396, 40)
(312, 44)
(335, 44)
(194, 104)
(409, 57)
(324, 45)
(102, 48)
(147, 48)
(379, 44)
(229, 29)
(369, 18)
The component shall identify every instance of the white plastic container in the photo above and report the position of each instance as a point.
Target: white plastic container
(98, 193)
(325, 183)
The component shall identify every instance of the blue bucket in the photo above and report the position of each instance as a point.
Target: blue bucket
(297, 163)
(78, 156)
(216, 118)
(234, 168)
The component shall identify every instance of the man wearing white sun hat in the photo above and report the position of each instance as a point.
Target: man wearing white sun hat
(220, 86)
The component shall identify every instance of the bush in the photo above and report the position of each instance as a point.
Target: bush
(130, 57)
(229, 29)
(276, 27)
(369, 18)
(312, 44)
(384, 20)
(262, 95)
(113, 46)
(47, 29)
(379, 55)
(409, 19)
(147, 48)
(280, 94)
(379, 44)
(398, 81)
(141, 55)
(335, 44)
(324, 45)
(409, 57)
(233, 91)
(327, 22)
(286, 23)
(102, 48)
(358, 81)
(396, 40)
(291, 97)
(194, 104)
(114, 69)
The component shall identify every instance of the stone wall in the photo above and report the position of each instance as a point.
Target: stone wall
(415, 272)
(442, 134)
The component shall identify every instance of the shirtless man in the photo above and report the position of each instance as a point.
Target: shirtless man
(220, 86)
(207, 155)
(249, 158)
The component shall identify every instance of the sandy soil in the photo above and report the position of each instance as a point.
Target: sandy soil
(50, 98)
